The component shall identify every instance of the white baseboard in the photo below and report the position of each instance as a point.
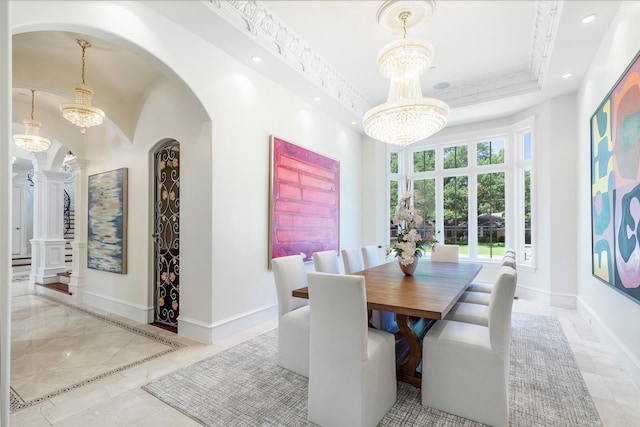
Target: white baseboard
(542, 296)
(61, 296)
(563, 300)
(135, 312)
(628, 361)
(209, 333)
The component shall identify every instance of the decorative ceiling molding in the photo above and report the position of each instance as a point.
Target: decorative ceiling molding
(545, 30)
(544, 35)
(270, 32)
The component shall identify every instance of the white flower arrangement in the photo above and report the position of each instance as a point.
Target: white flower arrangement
(409, 244)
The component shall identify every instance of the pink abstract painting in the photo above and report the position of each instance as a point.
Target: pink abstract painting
(305, 201)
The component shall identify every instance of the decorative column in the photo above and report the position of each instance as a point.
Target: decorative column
(79, 244)
(47, 245)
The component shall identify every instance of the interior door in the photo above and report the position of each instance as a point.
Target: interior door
(167, 236)
(16, 219)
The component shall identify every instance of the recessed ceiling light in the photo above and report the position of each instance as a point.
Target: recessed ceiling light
(589, 18)
(353, 123)
(317, 98)
(256, 59)
(567, 75)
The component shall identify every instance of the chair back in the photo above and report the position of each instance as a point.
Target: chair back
(509, 260)
(370, 256)
(500, 306)
(338, 334)
(289, 274)
(445, 253)
(352, 259)
(326, 262)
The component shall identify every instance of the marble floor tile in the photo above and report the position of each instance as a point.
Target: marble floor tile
(54, 346)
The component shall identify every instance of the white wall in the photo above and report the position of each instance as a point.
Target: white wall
(614, 316)
(223, 113)
(375, 194)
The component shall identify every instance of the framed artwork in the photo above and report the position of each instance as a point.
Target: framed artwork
(305, 201)
(107, 222)
(615, 185)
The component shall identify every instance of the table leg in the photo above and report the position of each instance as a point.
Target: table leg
(408, 370)
(412, 330)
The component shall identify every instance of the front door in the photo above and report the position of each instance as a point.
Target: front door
(167, 235)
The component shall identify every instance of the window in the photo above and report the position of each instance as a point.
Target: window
(394, 189)
(490, 194)
(455, 157)
(491, 208)
(426, 205)
(524, 244)
(456, 209)
(489, 177)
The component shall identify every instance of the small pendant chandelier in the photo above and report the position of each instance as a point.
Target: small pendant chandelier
(31, 140)
(81, 113)
(407, 116)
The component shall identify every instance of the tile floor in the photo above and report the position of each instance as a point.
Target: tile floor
(116, 399)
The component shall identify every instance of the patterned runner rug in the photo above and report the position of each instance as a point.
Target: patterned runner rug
(243, 386)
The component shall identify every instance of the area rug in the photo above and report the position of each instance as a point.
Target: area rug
(243, 386)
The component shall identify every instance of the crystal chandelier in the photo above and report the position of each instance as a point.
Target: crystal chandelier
(31, 140)
(407, 116)
(81, 113)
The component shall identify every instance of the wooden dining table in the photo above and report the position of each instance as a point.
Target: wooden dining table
(429, 294)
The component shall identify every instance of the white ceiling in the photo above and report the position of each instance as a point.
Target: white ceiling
(499, 57)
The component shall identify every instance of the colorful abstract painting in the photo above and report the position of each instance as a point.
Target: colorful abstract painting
(615, 185)
(305, 201)
(107, 222)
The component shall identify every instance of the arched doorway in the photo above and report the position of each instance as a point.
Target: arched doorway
(166, 235)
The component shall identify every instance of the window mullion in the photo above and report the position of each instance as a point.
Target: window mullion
(472, 217)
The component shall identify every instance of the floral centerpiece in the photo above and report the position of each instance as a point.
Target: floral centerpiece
(409, 244)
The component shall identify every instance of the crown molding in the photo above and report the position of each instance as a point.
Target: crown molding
(256, 19)
(545, 30)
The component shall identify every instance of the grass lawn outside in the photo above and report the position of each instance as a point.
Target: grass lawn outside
(485, 250)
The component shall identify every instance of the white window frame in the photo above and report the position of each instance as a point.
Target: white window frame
(513, 167)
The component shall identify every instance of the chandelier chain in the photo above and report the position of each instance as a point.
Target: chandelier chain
(83, 49)
(33, 102)
(84, 45)
(404, 15)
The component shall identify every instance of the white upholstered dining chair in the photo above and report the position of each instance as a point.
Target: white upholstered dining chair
(352, 371)
(466, 366)
(326, 262)
(384, 320)
(293, 314)
(479, 313)
(473, 290)
(352, 259)
(370, 256)
(445, 253)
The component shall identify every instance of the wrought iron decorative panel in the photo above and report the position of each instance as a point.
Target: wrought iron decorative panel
(167, 234)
